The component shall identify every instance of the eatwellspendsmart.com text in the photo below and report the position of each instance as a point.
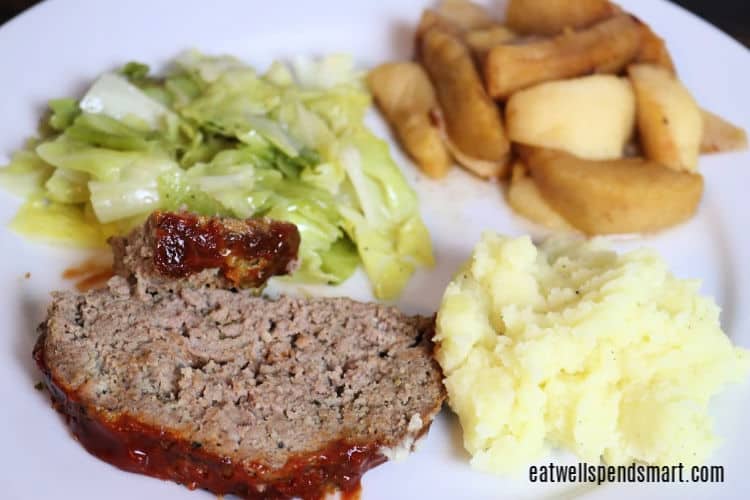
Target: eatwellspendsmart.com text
(634, 473)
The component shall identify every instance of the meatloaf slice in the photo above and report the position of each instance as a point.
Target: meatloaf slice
(236, 393)
(182, 248)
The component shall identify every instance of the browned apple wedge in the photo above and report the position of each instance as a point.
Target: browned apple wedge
(472, 124)
(613, 196)
(405, 95)
(456, 16)
(482, 40)
(550, 17)
(606, 47)
(720, 136)
(524, 197)
(432, 19)
(465, 15)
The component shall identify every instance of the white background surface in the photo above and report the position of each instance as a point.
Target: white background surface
(55, 49)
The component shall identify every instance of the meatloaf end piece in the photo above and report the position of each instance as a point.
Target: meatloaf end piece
(239, 394)
(177, 248)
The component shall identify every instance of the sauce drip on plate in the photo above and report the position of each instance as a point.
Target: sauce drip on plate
(91, 273)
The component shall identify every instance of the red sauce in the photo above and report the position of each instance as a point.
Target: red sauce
(186, 244)
(90, 274)
(127, 443)
(352, 495)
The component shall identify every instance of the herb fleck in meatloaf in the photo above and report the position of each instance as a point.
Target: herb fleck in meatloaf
(235, 393)
(180, 249)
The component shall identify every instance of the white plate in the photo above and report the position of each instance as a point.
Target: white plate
(56, 48)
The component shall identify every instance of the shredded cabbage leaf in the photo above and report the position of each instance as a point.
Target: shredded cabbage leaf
(216, 137)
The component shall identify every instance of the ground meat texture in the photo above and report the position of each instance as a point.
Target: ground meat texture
(235, 393)
(174, 248)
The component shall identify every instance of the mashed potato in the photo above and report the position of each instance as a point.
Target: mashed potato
(570, 345)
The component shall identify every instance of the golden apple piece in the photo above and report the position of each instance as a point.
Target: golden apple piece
(401, 88)
(525, 199)
(432, 19)
(403, 92)
(551, 17)
(606, 47)
(482, 40)
(471, 120)
(455, 16)
(720, 136)
(465, 15)
(653, 50)
(613, 196)
(592, 116)
(669, 120)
